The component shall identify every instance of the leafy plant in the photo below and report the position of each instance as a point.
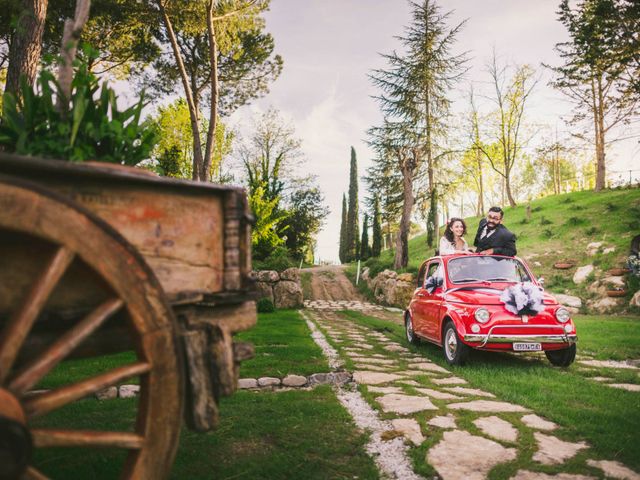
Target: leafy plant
(574, 221)
(92, 128)
(265, 305)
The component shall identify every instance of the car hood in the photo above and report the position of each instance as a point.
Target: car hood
(484, 296)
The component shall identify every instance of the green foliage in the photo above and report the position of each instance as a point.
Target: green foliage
(545, 221)
(265, 305)
(278, 259)
(342, 253)
(547, 233)
(169, 164)
(264, 235)
(537, 208)
(365, 249)
(305, 214)
(352, 237)
(575, 221)
(93, 128)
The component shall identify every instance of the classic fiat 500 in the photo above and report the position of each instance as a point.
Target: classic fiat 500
(480, 301)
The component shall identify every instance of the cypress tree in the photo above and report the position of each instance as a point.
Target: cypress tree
(353, 235)
(343, 231)
(365, 251)
(376, 247)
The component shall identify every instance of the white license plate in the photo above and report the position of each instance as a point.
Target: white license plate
(527, 347)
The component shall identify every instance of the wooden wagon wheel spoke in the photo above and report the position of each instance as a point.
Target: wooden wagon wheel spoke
(21, 322)
(33, 474)
(86, 438)
(39, 367)
(59, 397)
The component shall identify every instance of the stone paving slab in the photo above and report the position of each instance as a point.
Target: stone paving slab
(438, 394)
(527, 475)
(469, 391)
(404, 404)
(374, 378)
(443, 422)
(614, 469)
(497, 428)
(409, 428)
(449, 381)
(487, 406)
(473, 462)
(553, 451)
(534, 421)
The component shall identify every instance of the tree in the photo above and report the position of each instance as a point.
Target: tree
(264, 234)
(270, 155)
(353, 235)
(415, 105)
(26, 44)
(376, 246)
(203, 51)
(601, 67)
(365, 249)
(305, 214)
(510, 97)
(342, 253)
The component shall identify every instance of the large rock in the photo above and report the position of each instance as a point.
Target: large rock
(365, 274)
(287, 294)
(405, 277)
(270, 276)
(635, 300)
(593, 248)
(605, 305)
(291, 274)
(568, 300)
(582, 273)
(265, 290)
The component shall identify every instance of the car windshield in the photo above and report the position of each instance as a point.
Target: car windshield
(486, 269)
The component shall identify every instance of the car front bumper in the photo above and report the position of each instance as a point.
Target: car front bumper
(492, 337)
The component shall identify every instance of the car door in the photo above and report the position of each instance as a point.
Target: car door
(433, 301)
(426, 303)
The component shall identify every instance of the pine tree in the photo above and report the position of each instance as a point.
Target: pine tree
(353, 234)
(365, 250)
(343, 231)
(376, 247)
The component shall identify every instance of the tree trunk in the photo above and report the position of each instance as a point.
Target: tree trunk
(402, 240)
(601, 174)
(193, 111)
(481, 184)
(26, 45)
(507, 184)
(213, 113)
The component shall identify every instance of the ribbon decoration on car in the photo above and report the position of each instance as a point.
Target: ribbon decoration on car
(523, 299)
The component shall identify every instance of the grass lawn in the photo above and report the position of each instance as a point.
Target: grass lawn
(283, 346)
(262, 435)
(607, 418)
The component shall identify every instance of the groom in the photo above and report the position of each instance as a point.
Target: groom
(493, 237)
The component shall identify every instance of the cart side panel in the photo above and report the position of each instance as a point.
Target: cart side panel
(180, 235)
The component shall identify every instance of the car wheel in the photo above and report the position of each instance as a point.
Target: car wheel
(408, 327)
(455, 352)
(562, 358)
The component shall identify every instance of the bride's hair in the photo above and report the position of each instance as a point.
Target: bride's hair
(448, 233)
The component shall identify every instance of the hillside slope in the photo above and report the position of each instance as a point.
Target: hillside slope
(560, 228)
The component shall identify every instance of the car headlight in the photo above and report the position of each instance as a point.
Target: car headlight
(482, 315)
(563, 315)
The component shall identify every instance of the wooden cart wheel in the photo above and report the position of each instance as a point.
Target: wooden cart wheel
(74, 238)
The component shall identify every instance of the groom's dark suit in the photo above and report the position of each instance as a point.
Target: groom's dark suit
(501, 240)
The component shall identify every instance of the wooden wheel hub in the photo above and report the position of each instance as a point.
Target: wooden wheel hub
(15, 440)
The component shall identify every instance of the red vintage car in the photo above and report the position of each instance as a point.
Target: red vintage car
(458, 305)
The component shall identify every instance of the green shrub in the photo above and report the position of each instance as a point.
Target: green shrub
(265, 305)
(375, 266)
(574, 221)
(92, 129)
(279, 259)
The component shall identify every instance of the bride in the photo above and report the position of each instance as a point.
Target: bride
(453, 239)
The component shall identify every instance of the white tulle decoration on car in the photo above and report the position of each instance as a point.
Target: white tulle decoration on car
(523, 299)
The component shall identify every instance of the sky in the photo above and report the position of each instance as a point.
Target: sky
(330, 47)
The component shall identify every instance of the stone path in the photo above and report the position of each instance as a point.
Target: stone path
(468, 431)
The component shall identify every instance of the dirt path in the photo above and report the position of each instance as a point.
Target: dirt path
(330, 283)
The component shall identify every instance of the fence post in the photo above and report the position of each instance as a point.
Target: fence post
(358, 273)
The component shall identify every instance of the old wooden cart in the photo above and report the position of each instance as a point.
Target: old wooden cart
(96, 260)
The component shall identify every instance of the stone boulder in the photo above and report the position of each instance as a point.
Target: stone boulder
(605, 305)
(270, 276)
(405, 277)
(635, 300)
(287, 294)
(404, 292)
(265, 290)
(290, 274)
(593, 248)
(568, 300)
(582, 273)
(600, 287)
(365, 274)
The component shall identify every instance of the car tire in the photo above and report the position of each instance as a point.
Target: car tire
(455, 352)
(562, 358)
(408, 328)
